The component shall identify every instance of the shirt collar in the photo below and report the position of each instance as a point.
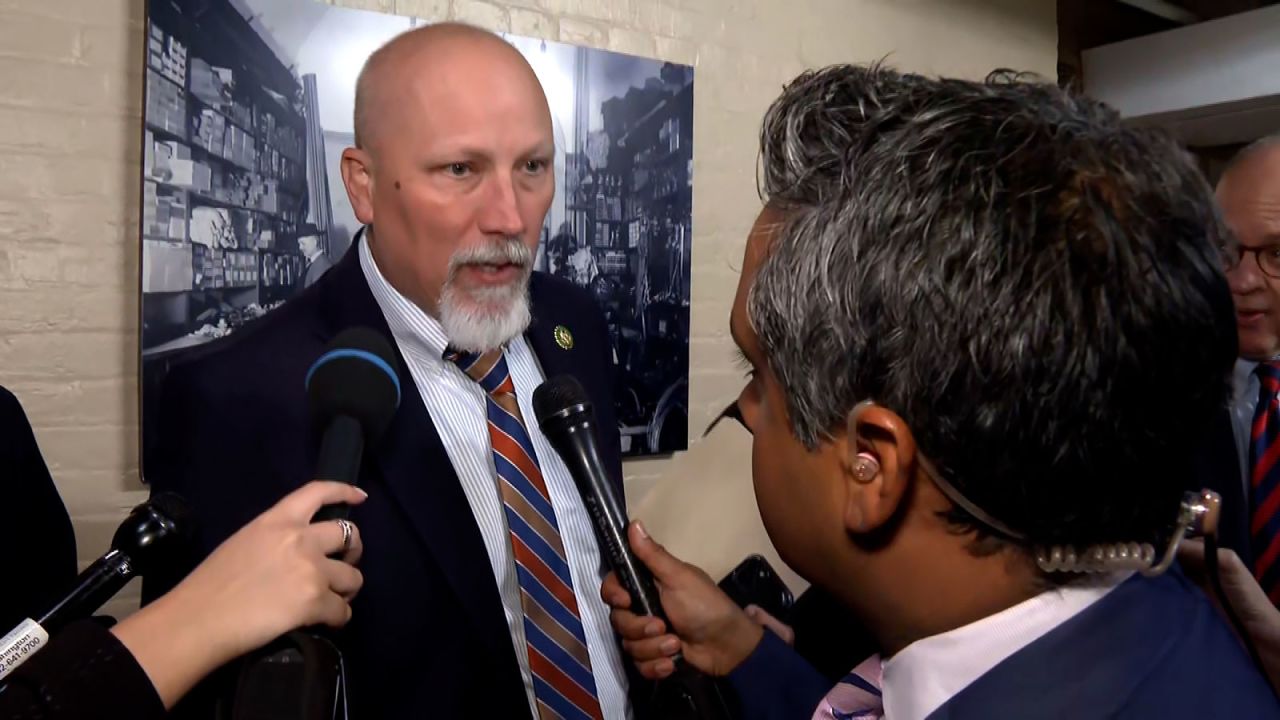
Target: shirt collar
(414, 330)
(1241, 376)
(926, 674)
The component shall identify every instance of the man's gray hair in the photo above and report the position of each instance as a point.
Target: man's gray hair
(1011, 270)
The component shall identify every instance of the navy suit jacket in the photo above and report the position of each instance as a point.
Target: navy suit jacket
(428, 636)
(1151, 648)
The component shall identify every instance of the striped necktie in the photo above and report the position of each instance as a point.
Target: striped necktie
(1264, 481)
(558, 659)
(857, 695)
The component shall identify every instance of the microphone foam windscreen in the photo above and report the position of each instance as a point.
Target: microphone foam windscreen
(559, 393)
(173, 508)
(356, 376)
(156, 533)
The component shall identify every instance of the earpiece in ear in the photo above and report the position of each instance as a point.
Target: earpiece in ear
(865, 467)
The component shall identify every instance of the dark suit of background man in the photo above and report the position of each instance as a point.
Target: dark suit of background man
(1236, 462)
(451, 175)
(318, 262)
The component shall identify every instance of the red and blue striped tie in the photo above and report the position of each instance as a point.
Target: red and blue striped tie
(558, 659)
(1264, 481)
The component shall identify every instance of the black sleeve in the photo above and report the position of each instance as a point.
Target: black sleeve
(45, 568)
(84, 673)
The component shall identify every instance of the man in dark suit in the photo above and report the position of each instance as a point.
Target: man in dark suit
(1234, 461)
(318, 262)
(964, 307)
(481, 569)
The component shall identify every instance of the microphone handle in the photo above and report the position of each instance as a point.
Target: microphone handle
(95, 586)
(282, 668)
(341, 450)
(578, 450)
(686, 694)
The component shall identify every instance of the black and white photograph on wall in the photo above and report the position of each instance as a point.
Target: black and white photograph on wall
(248, 107)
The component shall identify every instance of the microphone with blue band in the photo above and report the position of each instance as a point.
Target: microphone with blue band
(353, 391)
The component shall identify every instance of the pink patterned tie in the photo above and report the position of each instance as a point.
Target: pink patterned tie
(856, 696)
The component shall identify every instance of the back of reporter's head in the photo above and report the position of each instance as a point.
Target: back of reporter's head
(1032, 287)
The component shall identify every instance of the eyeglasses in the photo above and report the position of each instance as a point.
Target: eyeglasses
(1268, 257)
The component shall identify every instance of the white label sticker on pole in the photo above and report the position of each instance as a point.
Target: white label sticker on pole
(21, 643)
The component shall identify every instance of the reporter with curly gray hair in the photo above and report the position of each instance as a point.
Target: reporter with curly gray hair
(984, 323)
(274, 575)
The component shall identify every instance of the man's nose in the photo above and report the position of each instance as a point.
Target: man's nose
(501, 212)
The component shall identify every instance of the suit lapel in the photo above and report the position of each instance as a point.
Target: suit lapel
(416, 468)
(554, 358)
(555, 324)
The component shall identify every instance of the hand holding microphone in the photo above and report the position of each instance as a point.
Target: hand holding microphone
(567, 419)
(711, 632)
(353, 391)
(270, 577)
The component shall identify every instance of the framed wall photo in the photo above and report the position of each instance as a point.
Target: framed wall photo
(248, 107)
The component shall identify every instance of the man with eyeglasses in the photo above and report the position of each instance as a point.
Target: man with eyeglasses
(1242, 457)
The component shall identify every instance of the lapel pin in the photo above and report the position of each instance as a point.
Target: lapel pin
(563, 337)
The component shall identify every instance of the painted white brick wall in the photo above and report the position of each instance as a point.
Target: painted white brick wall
(70, 109)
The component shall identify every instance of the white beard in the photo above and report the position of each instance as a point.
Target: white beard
(478, 320)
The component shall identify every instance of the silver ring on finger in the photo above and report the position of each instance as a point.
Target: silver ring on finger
(347, 532)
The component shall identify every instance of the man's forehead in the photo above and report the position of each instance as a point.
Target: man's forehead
(1257, 173)
(434, 68)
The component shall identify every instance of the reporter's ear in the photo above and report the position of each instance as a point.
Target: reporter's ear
(878, 457)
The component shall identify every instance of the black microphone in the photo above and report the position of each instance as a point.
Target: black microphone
(353, 391)
(567, 419)
(155, 535)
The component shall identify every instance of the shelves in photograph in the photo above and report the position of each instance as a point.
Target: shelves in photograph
(662, 109)
(220, 111)
(182, 343)
(162, 238)
(160, 74)
(224, 160)
(225, 288)
(168, 185)
(679, 194)
(663, 159)
(171, 134)
(209, 200)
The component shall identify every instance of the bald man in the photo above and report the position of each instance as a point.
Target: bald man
(482, 574)
(1237, 462)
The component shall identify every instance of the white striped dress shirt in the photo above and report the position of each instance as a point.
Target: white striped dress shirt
(456, 404)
